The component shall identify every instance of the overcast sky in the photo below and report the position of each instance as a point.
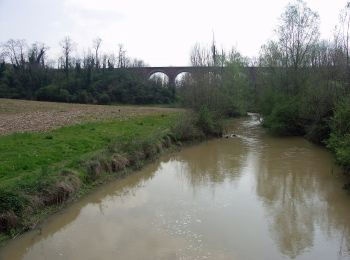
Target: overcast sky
(161, 32)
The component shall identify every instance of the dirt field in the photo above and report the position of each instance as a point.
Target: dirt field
(23, 115)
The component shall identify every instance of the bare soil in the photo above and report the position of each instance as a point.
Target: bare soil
(31, 116)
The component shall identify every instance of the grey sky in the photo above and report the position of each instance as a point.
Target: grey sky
(161, 32)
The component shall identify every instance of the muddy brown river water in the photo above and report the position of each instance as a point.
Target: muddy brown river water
(251, 196)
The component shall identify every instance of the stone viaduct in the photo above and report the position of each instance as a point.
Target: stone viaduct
(173, 72)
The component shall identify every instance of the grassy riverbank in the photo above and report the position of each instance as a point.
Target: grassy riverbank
(41, 171)
(38, 170)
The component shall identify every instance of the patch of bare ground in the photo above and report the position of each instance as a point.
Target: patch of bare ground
(32, 116)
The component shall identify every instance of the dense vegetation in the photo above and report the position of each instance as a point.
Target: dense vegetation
(304, 81)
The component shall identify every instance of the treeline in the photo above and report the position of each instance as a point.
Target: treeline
(26, 72)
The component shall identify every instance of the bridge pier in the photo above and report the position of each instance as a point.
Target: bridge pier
(171, 84)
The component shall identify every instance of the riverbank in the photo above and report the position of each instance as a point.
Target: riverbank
(41, 172)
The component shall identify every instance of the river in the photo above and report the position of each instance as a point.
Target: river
(250, 196)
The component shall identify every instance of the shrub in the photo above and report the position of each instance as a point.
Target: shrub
(284, 118)
(53, 93)
(318, 132)
(185, 129)
(208, 123)
(104, 99)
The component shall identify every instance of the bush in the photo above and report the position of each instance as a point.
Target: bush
(53, 93)
(197, 126)
(186, 129)
(83, 97)
(284, 118)
(104, 99)
(318, 132)
(207, 123)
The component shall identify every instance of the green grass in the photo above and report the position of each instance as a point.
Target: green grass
(26, 156)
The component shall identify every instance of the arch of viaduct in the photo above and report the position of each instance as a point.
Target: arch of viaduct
(173, 72)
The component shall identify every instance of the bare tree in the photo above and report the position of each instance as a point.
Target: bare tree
(14, 50)
(122, 60)
(298, 31)
(36, 54)
(104, 61)
(2, 57)
(67, 47)
(199, 56)
(111, 61)
(343, 32)
(137, 63)
(96, 46)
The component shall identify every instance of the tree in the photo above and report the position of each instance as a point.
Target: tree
(14, 50)
(110, 61)
(343, 32)
(67, 47)
(36, 54)
(96, 46)
(122, 60)
(298, 31)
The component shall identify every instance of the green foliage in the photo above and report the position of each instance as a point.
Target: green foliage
(339, 141)
(284, 118)
(237, 90)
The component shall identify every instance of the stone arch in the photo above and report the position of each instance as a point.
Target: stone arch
(178, 80)
(152, 73)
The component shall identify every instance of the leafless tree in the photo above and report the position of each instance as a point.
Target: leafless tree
(122, 60)
(111, 61)
(36, 54)
(96, 46)
(67, 47)
(104, 61)
(14, 50)
(298, 31)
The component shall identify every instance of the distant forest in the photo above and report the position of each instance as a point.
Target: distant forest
(26, 72)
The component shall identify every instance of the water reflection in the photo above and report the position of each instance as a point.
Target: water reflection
(298, 183)
(212, 163)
